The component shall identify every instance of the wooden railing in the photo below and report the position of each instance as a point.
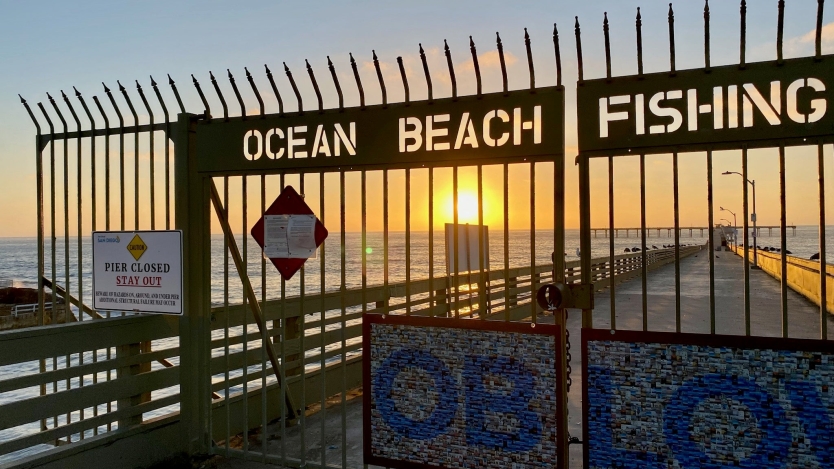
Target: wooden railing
(110, 394)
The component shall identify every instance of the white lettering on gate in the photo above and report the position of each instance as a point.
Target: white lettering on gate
(294, 142)
(494, 131)
(724, 99)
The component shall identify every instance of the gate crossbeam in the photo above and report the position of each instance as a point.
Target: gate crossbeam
(250, 293)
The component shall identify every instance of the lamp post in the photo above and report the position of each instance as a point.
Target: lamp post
(755, 231)
(733, 233)
(735, 225)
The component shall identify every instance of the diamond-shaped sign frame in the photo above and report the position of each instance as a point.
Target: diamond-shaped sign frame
(288, 203)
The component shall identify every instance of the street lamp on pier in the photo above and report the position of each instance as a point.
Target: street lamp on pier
(735, 224)
(733, 232)
(755, 231)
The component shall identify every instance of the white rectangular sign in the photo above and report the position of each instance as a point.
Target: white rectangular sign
(137, 271)
(469, 240)
(289, 236)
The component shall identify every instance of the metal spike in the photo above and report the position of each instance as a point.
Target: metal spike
(578, 32)
(639, 26)
(358, 81)
(780, 31)
(115, 106)
(31, 115)
(426, 71)
(476, 66)
(202, 96)
(558, 52)
(671, 39)
(381, 81)
(57, 111)
(121, 88)
(176, 93)
(405, 80)
(818, 41)
(129, 104)
(255, 90)
(142, 95)
(237, 95)
(707, 58)
(743, 45)
(315, 85)
(46, 116)
(159, 98)
(86, 109)
(72, 111)
(500, 46)
(530, 60)
(336, 83)
(448, 53)
(294, 88)
(607, 46)
(275, 90)
(219, 95)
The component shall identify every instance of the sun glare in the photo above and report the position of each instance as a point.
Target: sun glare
(467, 208)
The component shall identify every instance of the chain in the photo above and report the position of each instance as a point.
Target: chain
(568, 356)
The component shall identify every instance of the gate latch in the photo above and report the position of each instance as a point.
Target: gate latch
(555, 296)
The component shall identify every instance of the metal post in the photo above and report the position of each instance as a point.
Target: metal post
(192, 217)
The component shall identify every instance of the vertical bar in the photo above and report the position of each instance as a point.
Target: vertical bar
(226, 312)
(483, 292)
(612, 271)
(823, 261)
(284, 330)
(323, 316)
(265, 337)
(455, 243)
(746, 242)
(643, 266)
(245, 353)
(533, 275)
(407, 241)
(783, 232)
(677, 244)
(707, 58)
(818, 38)
(343, 322)
(302, 287)
(585, 232)
(711, 224)
(386, 292)
(432, 298)
(506, 241)
(743, 46)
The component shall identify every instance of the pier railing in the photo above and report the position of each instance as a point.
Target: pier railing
(106, 383)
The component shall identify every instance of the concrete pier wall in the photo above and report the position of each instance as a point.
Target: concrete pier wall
(803, 275)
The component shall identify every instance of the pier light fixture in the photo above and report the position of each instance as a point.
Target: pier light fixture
(753, 216)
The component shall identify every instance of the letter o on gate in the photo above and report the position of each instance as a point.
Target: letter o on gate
(441, 379)
(770, 415)
(259, 145)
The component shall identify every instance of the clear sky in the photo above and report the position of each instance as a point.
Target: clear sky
(50, 46)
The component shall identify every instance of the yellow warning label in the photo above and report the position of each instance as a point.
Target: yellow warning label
(137, 247)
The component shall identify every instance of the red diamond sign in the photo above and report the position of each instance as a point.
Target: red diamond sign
(289, 232)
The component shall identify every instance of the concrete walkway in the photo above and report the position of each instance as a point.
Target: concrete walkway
(765, 312)
(766, 320)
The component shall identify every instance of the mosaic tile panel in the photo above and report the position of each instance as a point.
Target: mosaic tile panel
(687, 406)
(461, 398)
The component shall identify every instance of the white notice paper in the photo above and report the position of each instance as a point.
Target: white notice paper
(289, 236)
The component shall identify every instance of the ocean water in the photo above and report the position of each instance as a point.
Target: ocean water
(18, 258)
(18, 267)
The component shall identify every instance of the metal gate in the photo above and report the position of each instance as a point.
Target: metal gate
(284, 356)
(693, 125)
